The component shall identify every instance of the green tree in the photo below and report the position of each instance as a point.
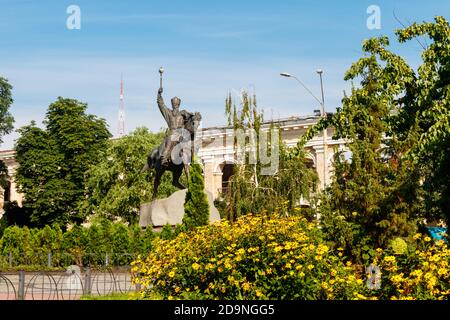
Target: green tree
(6, 100)
(116, 187)
(53, 161)
(374, 196)
(249, 191)
(424, 117)
(196, 207)
(6, 122)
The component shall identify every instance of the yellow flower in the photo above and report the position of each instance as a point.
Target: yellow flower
(278, 249)
(177, 289)
(417, 236)
(310, 267)
(427, 239)
(246, 286)
(440, 243)
(195, 266)
(442, 271)
(171, 274)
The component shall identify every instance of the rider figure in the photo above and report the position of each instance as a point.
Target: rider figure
(175, 119)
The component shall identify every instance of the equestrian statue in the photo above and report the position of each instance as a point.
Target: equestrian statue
(175, 152)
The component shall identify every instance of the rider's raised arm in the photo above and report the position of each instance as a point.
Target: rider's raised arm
(162, 107)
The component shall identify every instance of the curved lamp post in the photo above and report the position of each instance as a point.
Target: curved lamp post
(322, 113)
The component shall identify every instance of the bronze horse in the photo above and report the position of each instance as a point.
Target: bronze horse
(154, 159)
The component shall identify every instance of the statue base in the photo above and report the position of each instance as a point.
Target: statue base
(170, 210)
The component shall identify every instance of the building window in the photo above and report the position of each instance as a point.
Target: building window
(7, 192)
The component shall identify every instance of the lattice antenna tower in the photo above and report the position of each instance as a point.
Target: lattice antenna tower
(121, 124)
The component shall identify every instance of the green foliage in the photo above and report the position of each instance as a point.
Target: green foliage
(116, 187)
(167, 232)
(261, 257)
(6, 126)
(53, 161)
(374, 195)
(424, 117)
(399, 246)
(398, 132)
(249, 191)
(257, 257)
(14, 215)
(79, 245)
(196, 206)
(6, 100)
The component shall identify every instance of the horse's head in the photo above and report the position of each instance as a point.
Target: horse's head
(193, 122)
(196, 119)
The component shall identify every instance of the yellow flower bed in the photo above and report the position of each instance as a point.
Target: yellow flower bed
(422, 273)
(254, 258)
(284, 258)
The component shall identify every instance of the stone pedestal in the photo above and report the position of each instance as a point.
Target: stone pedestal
(170, 210)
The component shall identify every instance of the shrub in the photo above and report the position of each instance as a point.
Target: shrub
(196, 207)
(254, 258)
(421, 272)
(79, 245)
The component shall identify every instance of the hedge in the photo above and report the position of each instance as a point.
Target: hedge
(83, 246)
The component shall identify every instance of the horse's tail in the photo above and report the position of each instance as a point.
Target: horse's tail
(151, 161)
(145, 168)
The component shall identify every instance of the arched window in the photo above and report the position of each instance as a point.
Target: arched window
(7, 192)
(227, 172)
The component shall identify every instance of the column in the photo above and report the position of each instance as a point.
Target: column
(208, 171)
(321, 165)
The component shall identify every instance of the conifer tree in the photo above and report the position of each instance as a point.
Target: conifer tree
(196, 207)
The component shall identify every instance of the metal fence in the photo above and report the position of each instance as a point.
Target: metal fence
(69, 285)
(86, 274)
(13, 260)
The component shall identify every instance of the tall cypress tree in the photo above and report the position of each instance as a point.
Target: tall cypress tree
(196, 207)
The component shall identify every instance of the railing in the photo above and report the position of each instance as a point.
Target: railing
(68, 282)
(223, 191)
(44, 285)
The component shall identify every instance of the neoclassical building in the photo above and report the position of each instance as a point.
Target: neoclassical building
(218, 155)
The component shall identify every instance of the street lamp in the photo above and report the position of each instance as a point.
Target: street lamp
(322, 113)
(288, 75)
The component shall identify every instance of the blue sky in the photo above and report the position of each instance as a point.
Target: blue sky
(208, 48)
